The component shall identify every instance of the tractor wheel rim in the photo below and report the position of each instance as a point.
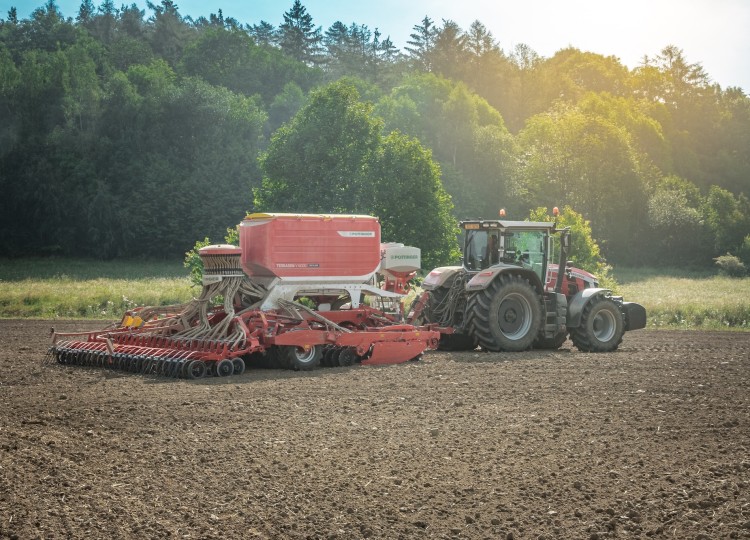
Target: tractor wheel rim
(604, 326)
(304, 356)
(514, 316)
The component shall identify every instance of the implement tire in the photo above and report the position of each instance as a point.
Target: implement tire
(601, 327)
(507, 315)
(301, 358)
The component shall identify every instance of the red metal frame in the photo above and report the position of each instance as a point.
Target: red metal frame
(375, 336)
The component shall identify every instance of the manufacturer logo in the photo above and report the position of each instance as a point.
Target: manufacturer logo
(357, 234)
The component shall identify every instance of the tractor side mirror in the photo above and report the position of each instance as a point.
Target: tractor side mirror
(565, 240)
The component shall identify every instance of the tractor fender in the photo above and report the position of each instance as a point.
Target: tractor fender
(483, 279)
(440, 276)
(579, 301)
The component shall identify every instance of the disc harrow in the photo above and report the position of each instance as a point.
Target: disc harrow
(183, 364)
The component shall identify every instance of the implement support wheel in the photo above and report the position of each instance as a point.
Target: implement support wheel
(224, 368)
(195, 369)
(239, 365)
(301, 358)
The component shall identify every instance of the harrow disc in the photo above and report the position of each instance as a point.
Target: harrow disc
(334, 360)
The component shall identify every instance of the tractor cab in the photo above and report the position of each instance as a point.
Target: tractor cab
(488, 243)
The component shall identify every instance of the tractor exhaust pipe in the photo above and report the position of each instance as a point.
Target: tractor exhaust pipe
(564, 247)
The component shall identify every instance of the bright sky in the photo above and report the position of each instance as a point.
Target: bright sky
(714, 33)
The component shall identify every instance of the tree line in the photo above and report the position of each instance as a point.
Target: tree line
(127, 134)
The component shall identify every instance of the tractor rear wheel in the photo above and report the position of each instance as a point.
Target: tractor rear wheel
(601, 327)
(507, 315)
(301, 358)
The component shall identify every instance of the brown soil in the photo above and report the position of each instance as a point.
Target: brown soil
(652, 441)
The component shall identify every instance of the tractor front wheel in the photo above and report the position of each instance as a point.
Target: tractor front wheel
(507, 315)
(601, 327)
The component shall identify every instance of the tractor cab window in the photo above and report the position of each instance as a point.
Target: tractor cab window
(525, 248)
(481, 249)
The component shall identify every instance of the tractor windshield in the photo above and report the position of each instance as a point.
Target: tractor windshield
(526, 248)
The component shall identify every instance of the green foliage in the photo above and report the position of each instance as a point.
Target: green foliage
(477, 153)
(744, 252)
(677, 298)
(332, 158)
(193, 261)
(584, 251)
(727, 217)
(285, 105)
(298, 36)
(413, 207)
(676, 224)
(587, 162)
(132, 132)
(230, 58)
(731, 265)
(315, 163)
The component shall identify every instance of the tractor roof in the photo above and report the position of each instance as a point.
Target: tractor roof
(505, 224)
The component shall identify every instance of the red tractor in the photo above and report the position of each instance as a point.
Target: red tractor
(508, 296)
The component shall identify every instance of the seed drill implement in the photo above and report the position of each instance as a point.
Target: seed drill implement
(301, 290)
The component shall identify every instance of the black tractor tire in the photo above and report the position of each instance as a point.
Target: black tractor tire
(275, 359)
(347, 356)
(327, 354)
(506, 316)
(601, 327)
(299, 358)
(551, 344)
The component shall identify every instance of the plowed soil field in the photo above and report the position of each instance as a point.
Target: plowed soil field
(652, 441)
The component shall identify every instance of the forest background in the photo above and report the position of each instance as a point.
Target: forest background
(124, 134)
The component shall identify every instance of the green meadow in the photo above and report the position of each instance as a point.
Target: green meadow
(75, 288)
(676, 298)
(90, 289)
